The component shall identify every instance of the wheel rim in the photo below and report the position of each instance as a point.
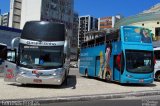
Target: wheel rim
(108, 78)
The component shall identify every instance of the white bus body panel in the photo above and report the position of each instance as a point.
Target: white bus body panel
(10, 71)
(13, 73)
(26, 76)
(2, 68)
(157, 62)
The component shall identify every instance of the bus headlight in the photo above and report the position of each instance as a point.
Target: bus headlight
(58, 72)
(129, 76)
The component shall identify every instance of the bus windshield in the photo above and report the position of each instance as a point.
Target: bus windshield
(139, 61)
(41, 57)
(134, 34)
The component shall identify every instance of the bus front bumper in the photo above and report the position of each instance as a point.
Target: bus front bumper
(49, 80)
(137, 81)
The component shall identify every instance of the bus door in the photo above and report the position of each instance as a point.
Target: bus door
(97, 66)
(10, 67)
(116, 67)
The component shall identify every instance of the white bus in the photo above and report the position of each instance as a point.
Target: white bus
(5, 54)
(157, 63)
(43, 55)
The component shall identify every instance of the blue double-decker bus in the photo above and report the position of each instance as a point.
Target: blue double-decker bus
(124, 56)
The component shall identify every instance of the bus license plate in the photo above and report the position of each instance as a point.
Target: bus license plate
(141, 80)
(37, 80)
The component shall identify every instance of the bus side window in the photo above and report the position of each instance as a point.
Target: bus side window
(11, 55)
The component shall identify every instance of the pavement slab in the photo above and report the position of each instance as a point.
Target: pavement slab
(77, 87)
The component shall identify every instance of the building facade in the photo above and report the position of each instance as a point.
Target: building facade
(107, 22)
(4, 19)
(74, 38)
(15, 13)
(149, 19)
(86, 23)
(22, 11)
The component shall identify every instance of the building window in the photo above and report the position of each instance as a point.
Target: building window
(157, 33)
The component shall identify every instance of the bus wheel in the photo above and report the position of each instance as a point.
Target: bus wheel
(86, 73)
(108, 77)
(158, 77)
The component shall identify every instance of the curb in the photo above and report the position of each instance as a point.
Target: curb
(87, 97)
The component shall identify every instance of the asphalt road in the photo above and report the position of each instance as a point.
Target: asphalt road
(136, 101)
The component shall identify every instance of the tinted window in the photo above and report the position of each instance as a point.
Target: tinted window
(139, 61)
(41, 57)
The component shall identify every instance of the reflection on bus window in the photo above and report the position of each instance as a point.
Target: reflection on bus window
(42, 57)
(11, 56)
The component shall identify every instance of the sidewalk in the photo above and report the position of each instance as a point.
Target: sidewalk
(77, 88)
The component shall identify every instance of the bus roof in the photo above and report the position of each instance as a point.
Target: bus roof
(44, 31)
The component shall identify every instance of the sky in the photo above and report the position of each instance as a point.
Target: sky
(102, 8)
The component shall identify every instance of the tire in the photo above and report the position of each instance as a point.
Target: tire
(158, 77)
(107, 77)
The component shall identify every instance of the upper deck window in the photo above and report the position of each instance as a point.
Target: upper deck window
(134, 34)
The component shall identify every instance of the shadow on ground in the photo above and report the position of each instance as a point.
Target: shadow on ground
(126, 84)
(70, 83)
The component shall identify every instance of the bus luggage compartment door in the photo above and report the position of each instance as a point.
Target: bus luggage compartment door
(10, 71)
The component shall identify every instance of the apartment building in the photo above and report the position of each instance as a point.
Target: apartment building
(47, 10)
(4, 18)
(74, 38)
(15, 13)
(106, 23)
(86, 23)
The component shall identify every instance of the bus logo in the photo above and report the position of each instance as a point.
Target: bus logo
(41, 43)
(9, 74)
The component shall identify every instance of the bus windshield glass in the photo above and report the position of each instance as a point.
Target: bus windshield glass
(41, 57)
(139, 61)
(135, 34)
